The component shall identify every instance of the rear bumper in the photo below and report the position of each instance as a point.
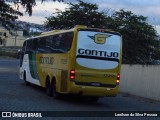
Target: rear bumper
(93, 90)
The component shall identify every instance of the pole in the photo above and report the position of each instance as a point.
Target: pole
(15, 37)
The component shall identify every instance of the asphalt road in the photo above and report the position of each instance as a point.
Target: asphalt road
(15, 96)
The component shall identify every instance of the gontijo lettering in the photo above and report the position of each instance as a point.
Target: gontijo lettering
(46, 60)
(98, 53)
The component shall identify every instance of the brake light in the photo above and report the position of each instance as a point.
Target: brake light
(118, 79)
(72, 75)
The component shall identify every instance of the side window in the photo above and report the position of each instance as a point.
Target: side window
(52, 44)
(32, 46)
(22, 53)
(35, 45)
(41, 45)
(24, 47)
(61, 43)
(55, 41)
(29, 46)
(49, 46)
(66, 41)
(45, 45)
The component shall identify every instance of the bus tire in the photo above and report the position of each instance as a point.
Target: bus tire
(48, 88)
(55, 94)
(24, 78)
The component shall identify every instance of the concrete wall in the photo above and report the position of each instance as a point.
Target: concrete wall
(141, 80)
(10, 41)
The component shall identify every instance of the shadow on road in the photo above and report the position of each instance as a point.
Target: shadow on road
(71, 99)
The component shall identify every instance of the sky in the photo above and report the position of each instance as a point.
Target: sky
(147, 8)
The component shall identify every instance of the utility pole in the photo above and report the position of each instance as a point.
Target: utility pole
(15, 34)
(15, 38)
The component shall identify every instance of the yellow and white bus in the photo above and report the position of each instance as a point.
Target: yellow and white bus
(83, 61)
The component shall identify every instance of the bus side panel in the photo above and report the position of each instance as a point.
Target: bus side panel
(53, 66)
(30, 68)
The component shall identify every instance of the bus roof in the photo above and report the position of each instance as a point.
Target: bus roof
(81, 27)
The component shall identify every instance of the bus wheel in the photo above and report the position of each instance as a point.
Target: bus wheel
(54, 92)
(48, 89)
(24, 78)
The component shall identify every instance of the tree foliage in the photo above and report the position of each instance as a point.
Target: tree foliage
(139, 38)
(139, 44)
(80, 13)
(29, 4)
(8, 13)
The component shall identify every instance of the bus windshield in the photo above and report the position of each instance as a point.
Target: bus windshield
(98, 50)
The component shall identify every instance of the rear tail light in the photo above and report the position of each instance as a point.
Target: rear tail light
(118, 79)
(72, 75)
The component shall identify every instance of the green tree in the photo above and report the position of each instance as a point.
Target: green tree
(28, 4)
(139, 38)
(8, 14)
(80, 13)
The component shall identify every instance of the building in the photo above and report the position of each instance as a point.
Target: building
(14, 39)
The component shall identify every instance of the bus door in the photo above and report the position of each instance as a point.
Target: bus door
(97, 58)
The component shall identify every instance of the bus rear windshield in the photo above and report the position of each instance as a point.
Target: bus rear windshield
(98, 50)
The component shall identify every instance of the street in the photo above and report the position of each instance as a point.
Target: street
(16, 96)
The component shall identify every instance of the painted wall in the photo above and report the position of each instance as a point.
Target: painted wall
(10, 41)
(141, 80)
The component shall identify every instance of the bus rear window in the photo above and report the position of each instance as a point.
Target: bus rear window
(98, 50)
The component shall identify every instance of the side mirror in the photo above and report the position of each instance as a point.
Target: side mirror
(19, 53)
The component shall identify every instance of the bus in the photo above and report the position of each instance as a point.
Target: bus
(82, 61)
